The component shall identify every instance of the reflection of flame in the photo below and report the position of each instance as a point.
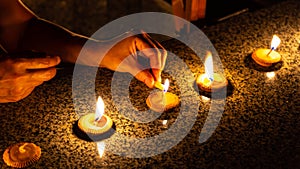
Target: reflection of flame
(205, 99)
(166, 85)
(164, 122)
(275, 42)
(101, 148)
(99, 109)
(209, 68)
(270, 75)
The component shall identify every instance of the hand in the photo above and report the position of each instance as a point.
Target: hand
(19, 76)
(123, 57)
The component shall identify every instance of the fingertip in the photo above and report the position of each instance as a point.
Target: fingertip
(157, 74)
(146, 77)
(58, 60)
(51, 73)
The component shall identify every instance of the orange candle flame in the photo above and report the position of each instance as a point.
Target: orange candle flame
(209, 67)
(275, 42)
(99, 109)
(166, 85)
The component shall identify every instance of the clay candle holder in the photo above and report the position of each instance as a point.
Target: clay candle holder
(95, 123)
(162, 100)
(267, 57)
(22, 154)
(210, 81)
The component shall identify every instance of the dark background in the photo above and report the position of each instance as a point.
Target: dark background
(217, 9)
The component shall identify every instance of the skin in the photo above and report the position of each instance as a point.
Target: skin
(21, 30)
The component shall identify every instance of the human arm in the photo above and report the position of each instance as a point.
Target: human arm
(41, 35)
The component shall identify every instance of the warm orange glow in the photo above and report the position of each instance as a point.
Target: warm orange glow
(270, 75)
(22, 148)
(209, 68)
(205, 99)
(99, 109)
(275, 42)
(166, 85)
(101, 148)
(164, 122)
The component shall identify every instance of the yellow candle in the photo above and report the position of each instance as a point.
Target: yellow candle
(210, 81)
(267, 57)
(162, 100)
(205, 84)
(96, 123)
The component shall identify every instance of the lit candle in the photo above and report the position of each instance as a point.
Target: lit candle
(162, 100)
(267, 57)
(96, 123)
(210, 81)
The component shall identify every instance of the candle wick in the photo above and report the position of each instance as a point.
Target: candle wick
(211, 79)
(22, 148)
(270, 51)
(97, 119)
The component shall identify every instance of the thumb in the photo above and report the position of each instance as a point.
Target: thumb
(146, 77)
(138, 71)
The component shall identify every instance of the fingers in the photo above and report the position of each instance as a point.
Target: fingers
(146, 77)
(17, 97)
(33, 78)
(162, 50)
(41, 75)
(157, 74)
(21, 75)
(138, 71)
(27, 92)
(15, 88)
(36, 63)
(155, 52)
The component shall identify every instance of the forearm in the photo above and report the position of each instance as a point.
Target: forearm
(42, 35)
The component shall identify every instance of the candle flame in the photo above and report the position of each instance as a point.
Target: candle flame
(101, 148)
(270, 75)
(166, 85)
(275, 42)
(209, 67)
(99, 109)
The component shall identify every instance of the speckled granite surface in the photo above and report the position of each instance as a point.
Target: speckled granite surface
(258, 129)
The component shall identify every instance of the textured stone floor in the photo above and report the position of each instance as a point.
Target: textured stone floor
(259, 127)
